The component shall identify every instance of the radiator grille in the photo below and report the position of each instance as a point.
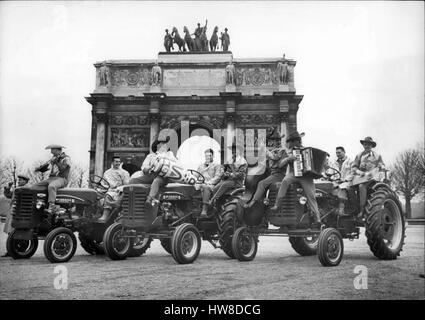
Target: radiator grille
(22, 210)
(287, 213)
(134, 207)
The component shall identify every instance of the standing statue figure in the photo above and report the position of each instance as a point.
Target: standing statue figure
(214, 40)
(225, 40)
(188, 39)
(104, 75)
(230, 73)
(204, 39)
(168, 41)
(201, 37)
(283, 72)
(156, 74)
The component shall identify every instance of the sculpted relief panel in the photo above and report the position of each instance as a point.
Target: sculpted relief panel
(129, 120)
(129, 138)
(135, 77)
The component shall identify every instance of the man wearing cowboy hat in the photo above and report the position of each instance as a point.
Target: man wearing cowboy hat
(145, 176)
(274, 158)
(364, 162)
(307, 183)
(233, 173)
(60, 165)
(8, 193)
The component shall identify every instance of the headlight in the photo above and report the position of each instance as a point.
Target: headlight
(303, 200)
(39, 204)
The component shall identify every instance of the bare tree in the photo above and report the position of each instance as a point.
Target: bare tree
(78, 176)
(407, 175)
(10, 167)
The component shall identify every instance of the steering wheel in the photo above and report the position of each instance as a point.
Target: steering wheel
(335, 176)
(199, 176)
(99, 183)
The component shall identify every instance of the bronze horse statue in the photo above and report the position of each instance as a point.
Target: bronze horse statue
(178, 40)
(188, 39)
(214, 40)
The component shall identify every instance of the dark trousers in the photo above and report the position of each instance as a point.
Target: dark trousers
(206, 192)
(309, 189)
(265, 184)
(53, 185)
(155, 181)
(222, 187)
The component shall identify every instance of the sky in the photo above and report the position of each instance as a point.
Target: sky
(360, 65)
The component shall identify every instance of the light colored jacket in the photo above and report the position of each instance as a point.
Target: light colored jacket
(344, 168)
(211, 171)
(366, 161)
(116, 177)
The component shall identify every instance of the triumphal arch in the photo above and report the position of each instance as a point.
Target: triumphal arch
(134, 100)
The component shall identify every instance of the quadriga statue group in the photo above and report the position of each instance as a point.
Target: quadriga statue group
(198, 43)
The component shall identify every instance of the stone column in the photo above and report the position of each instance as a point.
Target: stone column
(154, 120)
(102, 119)
(284, 117)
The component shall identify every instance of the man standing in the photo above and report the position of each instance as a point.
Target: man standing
(211, 172)
(115, 175)
(277, 169)
(225, 40)
(343, 165)
(8, 193)
(364, 162)
(60, 165)
(307, 183)
(160, 149)
(234, 174)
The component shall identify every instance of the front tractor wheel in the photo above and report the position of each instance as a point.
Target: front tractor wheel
(305, 246)
(117, 244)
(186, 243)
(385, 224)
(21, 249)
(60, 245)
(330, 248)
(244, 244)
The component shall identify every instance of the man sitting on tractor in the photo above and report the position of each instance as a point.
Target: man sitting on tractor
(145, 176)
(211, 172)
(307, 183)
(116, 177)
(274, 158)
(58, 178)
(364, 162)
(343, 165)
(233, 174)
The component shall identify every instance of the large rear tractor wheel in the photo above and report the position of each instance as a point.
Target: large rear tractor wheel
(166, 244)
(330, 248)
(21, 249)
(91, 246)
(140, 246)
(306, 246)
(60, 245)
(227, 225)
(117, 244)
(186, 243)
(385, 224)
(244, 244)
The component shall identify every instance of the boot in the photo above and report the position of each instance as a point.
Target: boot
(277, 205)
(105, 214)
(250, 204)
(204, 212)
(341, 209)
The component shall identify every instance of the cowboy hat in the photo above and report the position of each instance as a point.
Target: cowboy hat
(294, 136)
(54, 146)
(368, 140)
(154, 146)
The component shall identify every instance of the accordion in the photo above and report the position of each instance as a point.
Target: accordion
(310, 162)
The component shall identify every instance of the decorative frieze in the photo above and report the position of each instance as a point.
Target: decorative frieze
(129, 138)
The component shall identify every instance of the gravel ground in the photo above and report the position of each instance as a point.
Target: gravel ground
(276, 273)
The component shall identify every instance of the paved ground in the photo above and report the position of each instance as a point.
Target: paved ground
(276, 273)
